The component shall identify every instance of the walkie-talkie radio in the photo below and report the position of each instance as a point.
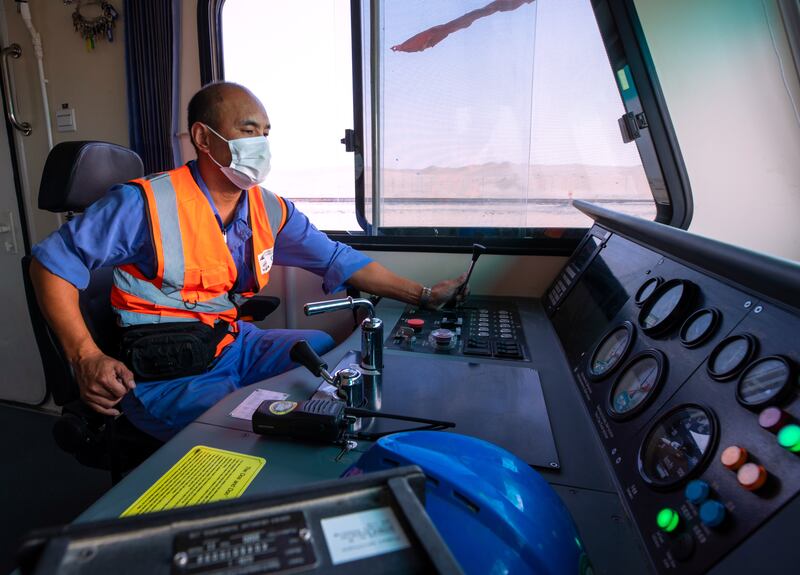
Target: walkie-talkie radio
(325, 420)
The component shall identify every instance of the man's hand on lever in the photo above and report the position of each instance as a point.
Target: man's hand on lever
(449, 292)
(376, 279)
(102, 380)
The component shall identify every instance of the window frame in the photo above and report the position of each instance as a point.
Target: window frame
(625, 44)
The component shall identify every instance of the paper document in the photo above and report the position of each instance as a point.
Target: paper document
(247, 408)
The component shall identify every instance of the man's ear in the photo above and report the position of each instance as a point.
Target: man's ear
(199, 134)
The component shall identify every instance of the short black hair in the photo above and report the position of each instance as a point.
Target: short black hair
(204, 105)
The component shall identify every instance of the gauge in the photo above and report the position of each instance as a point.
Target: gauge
(646, 290)
(730, 356)
(765, 382)
(699, 326)
(611, 350)
(677, 446)
(637, 384)
(669, 303)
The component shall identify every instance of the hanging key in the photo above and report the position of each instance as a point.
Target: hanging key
(346, 448)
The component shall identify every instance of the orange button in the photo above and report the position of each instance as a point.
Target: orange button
(751, 476)
(733, 457)
(416, 323)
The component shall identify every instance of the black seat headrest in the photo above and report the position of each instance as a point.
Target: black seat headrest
(77, 174)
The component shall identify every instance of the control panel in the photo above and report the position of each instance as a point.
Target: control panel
(370, 523)
(482, 328)
(692, 386)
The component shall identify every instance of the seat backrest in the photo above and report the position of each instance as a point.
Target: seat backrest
(75, 175)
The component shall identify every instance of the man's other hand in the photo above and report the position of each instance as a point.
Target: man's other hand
(103, 381)
(447, 290)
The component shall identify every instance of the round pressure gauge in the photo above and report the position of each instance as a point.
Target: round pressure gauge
(765, 382)
(669, 304)
(637, 384)
(730, 356)
(699, 326)
(612, 349)
(646, 290)
(677, 446)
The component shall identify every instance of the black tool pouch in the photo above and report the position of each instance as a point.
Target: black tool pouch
(170, 350)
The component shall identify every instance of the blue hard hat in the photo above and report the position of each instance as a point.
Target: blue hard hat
(493, 510)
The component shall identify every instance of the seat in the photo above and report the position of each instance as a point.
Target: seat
(75, 175)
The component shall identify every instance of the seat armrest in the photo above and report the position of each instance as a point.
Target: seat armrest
(258, 307)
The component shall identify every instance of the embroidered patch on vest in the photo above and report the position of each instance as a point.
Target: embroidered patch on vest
(265, 260)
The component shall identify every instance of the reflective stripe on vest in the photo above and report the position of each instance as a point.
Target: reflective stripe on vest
(194, 268)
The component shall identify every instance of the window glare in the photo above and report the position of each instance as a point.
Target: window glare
(298, 61)
(503, 122)
(499, 124)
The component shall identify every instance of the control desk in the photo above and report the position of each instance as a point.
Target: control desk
(654, 386)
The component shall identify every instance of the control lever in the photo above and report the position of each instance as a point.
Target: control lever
(371, 362)
(371, 328)
(305, 355)
(477, 250)
(347, 381)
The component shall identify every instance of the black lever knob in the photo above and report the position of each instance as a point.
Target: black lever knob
(305, 355)
(477, 250)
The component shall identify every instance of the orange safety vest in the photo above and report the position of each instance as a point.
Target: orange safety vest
(195, 271)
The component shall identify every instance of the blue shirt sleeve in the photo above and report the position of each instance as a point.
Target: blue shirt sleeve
(302, 245)
(112, 231)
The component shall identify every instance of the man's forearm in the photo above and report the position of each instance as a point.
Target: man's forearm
(378, 280)
(58, 300)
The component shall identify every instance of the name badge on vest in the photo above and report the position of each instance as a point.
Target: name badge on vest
(265, 260)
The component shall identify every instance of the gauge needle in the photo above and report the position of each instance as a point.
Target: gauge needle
(646, 382)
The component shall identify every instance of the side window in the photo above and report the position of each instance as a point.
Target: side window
(493, 115)
(499, 115)
(298, 61)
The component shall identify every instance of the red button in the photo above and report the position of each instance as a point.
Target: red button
(733, 457)
(416, 323)
(751, 476)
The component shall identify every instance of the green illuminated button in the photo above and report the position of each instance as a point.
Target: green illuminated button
(668, 519)
(789, 438)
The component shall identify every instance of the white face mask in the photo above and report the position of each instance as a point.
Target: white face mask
(249, 160)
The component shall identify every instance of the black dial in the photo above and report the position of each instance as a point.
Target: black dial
(637, 384)
(646, 290)
(699, 326)
(669, 304)
(611, 350)
(677, 446)
(765, 382)
(730, 356)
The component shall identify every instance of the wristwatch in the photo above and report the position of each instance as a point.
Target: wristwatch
(425, 297)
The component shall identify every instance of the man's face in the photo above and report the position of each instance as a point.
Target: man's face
(239, 115)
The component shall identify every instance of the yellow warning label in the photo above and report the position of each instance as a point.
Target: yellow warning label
(203, 475)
